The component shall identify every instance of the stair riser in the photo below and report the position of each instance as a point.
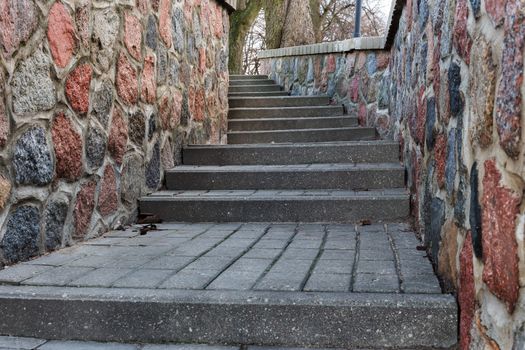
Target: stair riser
(248, 125)
(268, 210)
(278, 102)
(251, 82)
(287, 155)
(215, 320)
(258, 94)
(343, 180)
(248, 77)
(356, 134)
(297, 112)
(256, 88)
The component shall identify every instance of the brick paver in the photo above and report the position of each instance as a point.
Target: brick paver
(272, 257)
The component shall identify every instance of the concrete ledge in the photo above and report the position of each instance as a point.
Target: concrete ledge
(266, 318)
(365, 43)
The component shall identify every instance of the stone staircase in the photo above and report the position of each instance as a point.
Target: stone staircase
(259, 250)
(289, 159)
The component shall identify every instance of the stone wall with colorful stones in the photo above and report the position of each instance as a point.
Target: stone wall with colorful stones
(452, 95)
(349, 78)
(456, 91)
(97, 98)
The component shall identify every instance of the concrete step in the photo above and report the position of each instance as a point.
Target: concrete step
(273, 177)
(285, 112)
(278, 206)
(302, 135)
(300, 153)
(254, 88)
(124, 315)
(258, 94)
(291, 123)
(278, 101)
(247, 77)
(251, 82)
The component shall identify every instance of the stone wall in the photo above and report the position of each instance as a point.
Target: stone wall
(349, 78)
(453, 93)
(456, 89)
(97, 98)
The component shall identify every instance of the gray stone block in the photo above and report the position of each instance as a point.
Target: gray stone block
(269, 207)
(189, 279)
(304, 135)
(32, 87)
(103, 277)
(58, 276)
(324, 153)
(378, 267)
(216, 263)
(299, 254)
(247, 77)
(254, 88)
(169, 262)
(235, 280)
(258, 93)
(338, 254)
(326, 176)
(294, 319)
(421, 284)
(78, 345)
(18, 273)
(333, 267)
(20, 343)
(285, 112)
(327, 282)
(291, 123)
(278, 101)
(263, 253)
(251, 82)
(374, 283)
(253, 265)
(21, 238)
(143, 278)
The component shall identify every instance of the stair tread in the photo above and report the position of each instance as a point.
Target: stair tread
(349, 128)
(279, 98)
(295, 144)
(288, 168)
(292, 118)
(284, 108)
(277, 195)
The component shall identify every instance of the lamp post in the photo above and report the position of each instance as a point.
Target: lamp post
(357, 28)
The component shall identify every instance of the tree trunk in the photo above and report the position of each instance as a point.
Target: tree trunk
(274, 14)
(298, 25)
(317, 20)
(240, 24)
(290, 22)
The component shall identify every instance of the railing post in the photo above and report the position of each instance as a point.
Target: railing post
(357, 28)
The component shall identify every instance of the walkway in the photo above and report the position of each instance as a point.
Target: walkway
(239, 257)
(290, 236)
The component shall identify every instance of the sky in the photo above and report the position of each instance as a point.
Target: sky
(385, 8)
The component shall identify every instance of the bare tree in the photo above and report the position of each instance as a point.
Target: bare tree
(255, 42)
(338, 18)
(295, 22)
(240, 23)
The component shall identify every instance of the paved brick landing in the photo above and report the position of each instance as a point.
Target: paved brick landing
(260, 257)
